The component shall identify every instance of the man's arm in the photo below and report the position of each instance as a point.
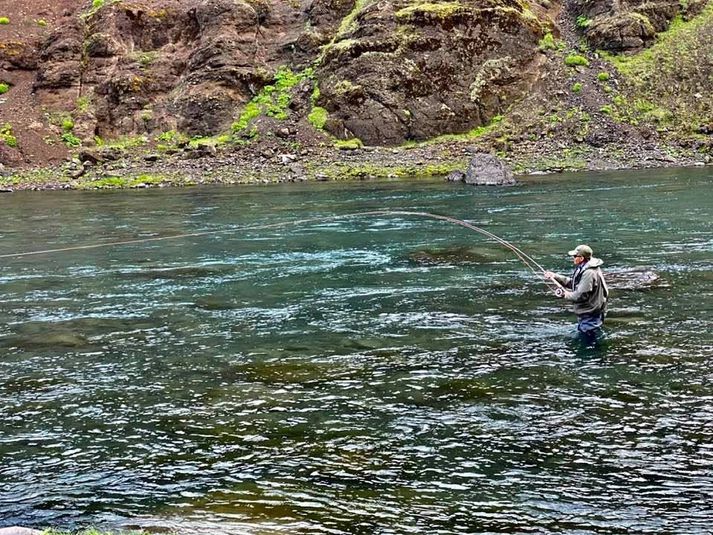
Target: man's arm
(586, 285)
(564, 281)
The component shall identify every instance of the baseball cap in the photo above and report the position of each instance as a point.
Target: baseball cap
(582, 250)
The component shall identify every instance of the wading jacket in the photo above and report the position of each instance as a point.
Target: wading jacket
(588, 288)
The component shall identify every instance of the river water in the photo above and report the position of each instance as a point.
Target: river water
(361, 375)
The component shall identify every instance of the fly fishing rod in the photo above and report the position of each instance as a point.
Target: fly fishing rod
(526, 259)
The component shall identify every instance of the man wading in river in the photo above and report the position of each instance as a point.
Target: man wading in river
(587, 290)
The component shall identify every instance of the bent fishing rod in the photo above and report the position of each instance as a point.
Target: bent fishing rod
(526, 259)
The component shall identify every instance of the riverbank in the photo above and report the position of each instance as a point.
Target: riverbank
(142, 164)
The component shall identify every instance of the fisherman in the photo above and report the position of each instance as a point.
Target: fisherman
(587, 290)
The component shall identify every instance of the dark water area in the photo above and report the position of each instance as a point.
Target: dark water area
(362, 375)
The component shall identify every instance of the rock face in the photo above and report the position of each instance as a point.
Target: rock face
(388, 71)
(157, 66)
(487, 170)
(405, 70)
(629, 26)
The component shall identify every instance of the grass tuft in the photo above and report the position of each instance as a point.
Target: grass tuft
(349, 144)
(7, 136)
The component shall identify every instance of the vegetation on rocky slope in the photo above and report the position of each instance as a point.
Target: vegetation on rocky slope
(670, 84)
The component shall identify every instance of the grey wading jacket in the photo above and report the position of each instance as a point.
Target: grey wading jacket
(588, 287)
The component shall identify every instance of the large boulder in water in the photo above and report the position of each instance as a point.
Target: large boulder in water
(488, 170)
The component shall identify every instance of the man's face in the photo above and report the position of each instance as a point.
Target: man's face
(578, 259)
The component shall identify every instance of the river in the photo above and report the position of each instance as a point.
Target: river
(386, 374)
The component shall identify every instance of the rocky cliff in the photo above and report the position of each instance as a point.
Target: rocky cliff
(161, 72)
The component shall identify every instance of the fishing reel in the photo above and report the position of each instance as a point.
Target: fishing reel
(559, 292)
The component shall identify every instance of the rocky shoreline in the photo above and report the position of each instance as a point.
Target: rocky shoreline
(279, 162)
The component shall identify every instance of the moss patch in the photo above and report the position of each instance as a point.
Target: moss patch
(368, 171)
(575, 60)
(441, 11)
(7, 136)
(120, 182)
(273, 100)
(318, 117)
(349, 144)
(475, 133)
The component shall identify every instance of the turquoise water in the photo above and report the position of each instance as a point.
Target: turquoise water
(362, 375)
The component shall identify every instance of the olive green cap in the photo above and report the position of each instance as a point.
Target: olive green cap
(582, 250)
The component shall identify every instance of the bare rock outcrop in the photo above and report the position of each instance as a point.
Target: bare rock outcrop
(383, 72)
(633, 25)
(409, 71)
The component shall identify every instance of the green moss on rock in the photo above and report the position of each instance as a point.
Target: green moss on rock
(318, 117)
(441, 10)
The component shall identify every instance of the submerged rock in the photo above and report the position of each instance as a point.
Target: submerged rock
(213, 302)
(457, 255)
(183, 272)
(67, 340)
(635, 279)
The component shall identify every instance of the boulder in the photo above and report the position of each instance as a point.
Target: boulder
(200, 151)
(630, 26)
(488, 170)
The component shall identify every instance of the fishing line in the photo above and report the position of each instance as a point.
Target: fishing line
(526, 259)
